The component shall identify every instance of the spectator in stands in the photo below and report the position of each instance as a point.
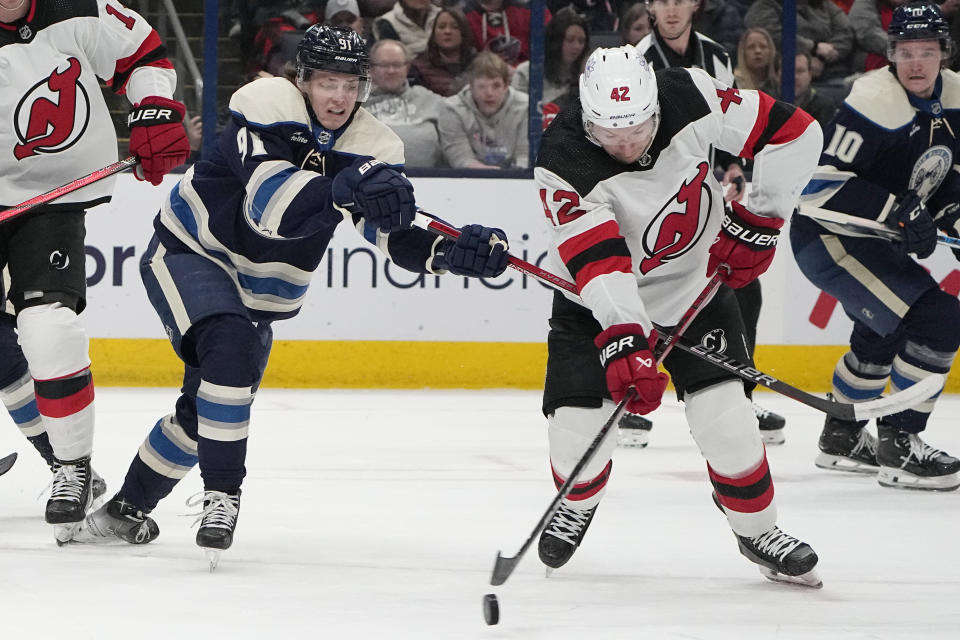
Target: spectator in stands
(344, 13)
(757, 60)
(443, 66)
(502, 27)
(869, 20)
(823, 31)
(485, 125)
(410, 22)
(411, 112)
(565, 50)
(720, 21)
(601, 15)
(280, 27)
(635, 24)
(807, 98)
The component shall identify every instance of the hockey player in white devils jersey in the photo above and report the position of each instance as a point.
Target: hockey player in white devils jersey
(891, 156)
(235, 247)
(55, 127)
(638, 224)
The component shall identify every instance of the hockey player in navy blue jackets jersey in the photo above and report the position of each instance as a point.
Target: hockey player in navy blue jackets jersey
(235, 246)
(890, 155)
(54, 128)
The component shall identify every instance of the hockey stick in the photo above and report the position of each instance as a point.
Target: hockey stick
(70, 187)
(863, 225)
(503, 566)
(893, 403)
(7, 462)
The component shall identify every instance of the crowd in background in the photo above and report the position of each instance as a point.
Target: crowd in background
(454, 81)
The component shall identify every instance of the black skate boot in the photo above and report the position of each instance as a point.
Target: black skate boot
(847, 446)
(771, 425)
(70, 492)
(116, 521)
(563, 535)
(634, 431)
(217, 522)
(782, 558)
(907, 462)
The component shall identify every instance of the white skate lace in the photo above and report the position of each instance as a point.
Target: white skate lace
(776, 543)
(759, 411)
(921, 451)
(67, 483)
(865, 440)
(219, 509)
(567, 523)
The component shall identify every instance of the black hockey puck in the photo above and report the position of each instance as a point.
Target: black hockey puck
(491, 608)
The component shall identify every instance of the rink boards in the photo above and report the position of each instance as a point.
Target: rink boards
(367, 323)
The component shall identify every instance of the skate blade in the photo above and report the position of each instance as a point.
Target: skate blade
(900, 479)
(773, 437)
(840, 463)
(548, 572)
(809, 579)
(213, 557)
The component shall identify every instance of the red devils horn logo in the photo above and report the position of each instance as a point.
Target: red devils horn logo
(53, 115)
(679, 224)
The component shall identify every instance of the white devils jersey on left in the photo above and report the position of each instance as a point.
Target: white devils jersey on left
(54, 124)
(635, 238)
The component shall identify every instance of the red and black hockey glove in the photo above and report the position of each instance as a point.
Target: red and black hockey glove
(746, 244)
(378, 192)
(627, 355)
(157, 137)
(910, 217)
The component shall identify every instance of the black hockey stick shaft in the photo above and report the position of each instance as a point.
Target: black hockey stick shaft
(503, 566)
(70, 187)
(6, 462)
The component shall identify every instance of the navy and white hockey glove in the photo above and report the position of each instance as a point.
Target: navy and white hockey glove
(910, 217)
(480, 252)
(378, 192)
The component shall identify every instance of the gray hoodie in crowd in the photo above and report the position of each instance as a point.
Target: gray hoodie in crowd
(412, 114)
(500, 140)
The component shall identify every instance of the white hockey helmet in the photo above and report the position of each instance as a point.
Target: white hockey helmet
(618, 89)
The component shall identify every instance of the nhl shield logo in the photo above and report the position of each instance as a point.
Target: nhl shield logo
(25, 32)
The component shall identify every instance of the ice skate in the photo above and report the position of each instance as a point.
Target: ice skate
(847, 446)
(771, 425)
(782, 558)
(70, 497)
(217, 522)
(117, 521)
(633, 431)
(563, 534)
(907, 462)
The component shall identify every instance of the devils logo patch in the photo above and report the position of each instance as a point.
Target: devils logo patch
(53, 114)
(679, 224)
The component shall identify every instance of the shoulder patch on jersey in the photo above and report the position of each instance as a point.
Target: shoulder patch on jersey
(950, 95)
(270, 101)
(367, 136)
(878, 97)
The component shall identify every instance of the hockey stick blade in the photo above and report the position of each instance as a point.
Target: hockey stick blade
(864, 226)
(899, 401)
(70, 187)
(7, 462)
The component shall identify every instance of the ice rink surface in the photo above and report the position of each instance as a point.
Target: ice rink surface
(377, 515)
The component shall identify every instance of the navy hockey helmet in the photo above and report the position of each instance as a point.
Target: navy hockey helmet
(919, 21)
(337, 49)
